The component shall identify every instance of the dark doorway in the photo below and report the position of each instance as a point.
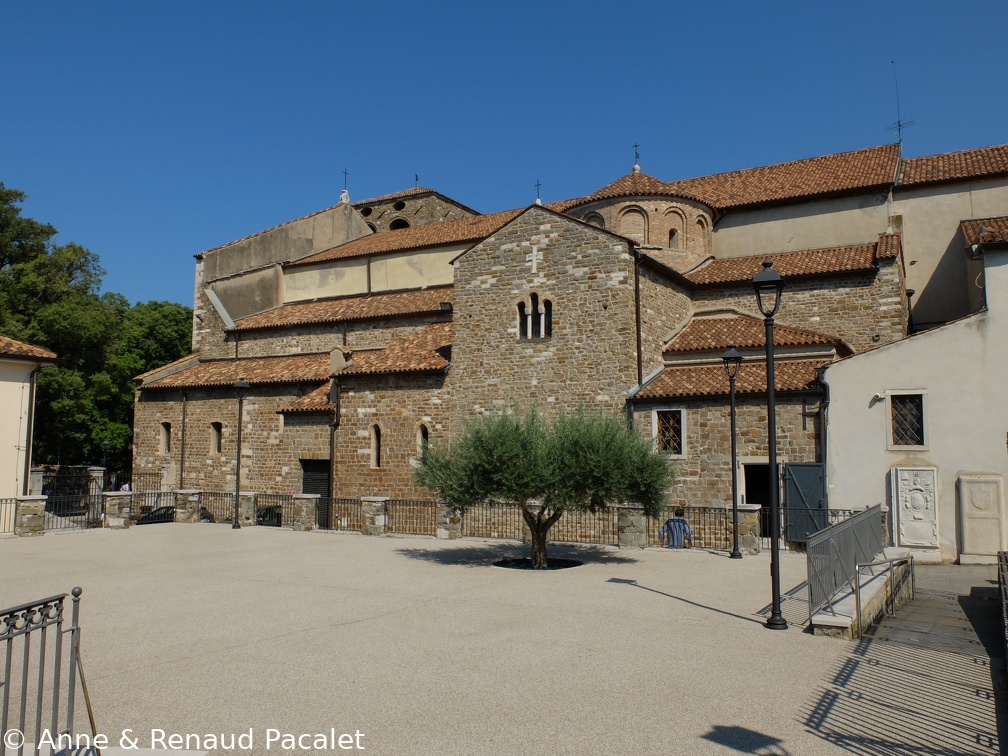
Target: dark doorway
(315, 480)
(757, 491)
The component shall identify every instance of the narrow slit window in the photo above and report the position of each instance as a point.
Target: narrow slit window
(375, 446)
(523, 330)
(423, 437)
(216, 432)
(165, 438)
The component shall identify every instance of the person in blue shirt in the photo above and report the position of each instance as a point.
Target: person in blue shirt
(676, 531)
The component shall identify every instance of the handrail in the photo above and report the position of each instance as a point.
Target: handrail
(892, 584)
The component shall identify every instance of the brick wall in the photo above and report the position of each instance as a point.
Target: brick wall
(690, 220)
(864, 310)
(398, 405)
(272, 444)
(324, 337)
(704, 475)
(589, 360)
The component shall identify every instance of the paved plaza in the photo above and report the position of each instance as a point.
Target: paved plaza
(423, 647)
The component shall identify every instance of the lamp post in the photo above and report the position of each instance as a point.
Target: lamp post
(241, 388)
(732, 362)
(769, 285)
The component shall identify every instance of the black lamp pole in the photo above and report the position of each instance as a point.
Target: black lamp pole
(769, 285)
(241, 388)
(732, 362)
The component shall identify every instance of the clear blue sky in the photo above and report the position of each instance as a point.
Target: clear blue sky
(149, 132)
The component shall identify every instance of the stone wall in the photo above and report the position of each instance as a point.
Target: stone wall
(272, 443)
(398, 405)
(703, 475)
(324, 337)
(864, 310)
(590, 359)
(665, 308)
(416, 211)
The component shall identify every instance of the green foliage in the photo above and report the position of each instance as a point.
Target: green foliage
(578, 462)
(49, 297)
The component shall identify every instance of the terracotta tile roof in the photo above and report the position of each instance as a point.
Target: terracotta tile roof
(296, 368)
(12, 348)
(994, 230)
(417, 353)
(473, 229)
(717, 333)
(710, 380)
(364, 307)
(637, 184)
(857, 171)
(316, 400)
(985, 162)
(809, 262)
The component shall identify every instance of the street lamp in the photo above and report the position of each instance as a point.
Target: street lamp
(241, 389)
(769, 285)
(732, 362)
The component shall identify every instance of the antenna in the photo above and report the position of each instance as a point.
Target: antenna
(900, 123)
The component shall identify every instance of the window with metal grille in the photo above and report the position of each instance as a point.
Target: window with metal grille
(669, 431)
(907, 419)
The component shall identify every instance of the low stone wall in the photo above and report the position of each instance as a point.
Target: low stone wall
(29, 516)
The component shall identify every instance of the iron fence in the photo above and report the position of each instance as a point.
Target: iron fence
(69, 481)
(216, 507)
(140, 482)
(586, 527)
(711, 527)
(493, 521)
(74, 512)
(8, 509)
(411, 517)
(832, 554)
(798, 523)
(340, 514)
(273, 510)
(38, 684)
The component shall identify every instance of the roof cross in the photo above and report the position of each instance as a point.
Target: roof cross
(346, 173)
(636, 155)
(537, 188)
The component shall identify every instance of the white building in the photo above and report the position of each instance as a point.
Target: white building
(921, 424)
(19, 364)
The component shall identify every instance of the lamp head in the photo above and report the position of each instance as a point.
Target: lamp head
(241, 388)
(732, 361)
(768, 285)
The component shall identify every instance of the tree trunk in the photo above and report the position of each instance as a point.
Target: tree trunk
(539, 526)
(539, 561)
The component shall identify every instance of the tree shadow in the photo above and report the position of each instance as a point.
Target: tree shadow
(482, 554)
(635, 584)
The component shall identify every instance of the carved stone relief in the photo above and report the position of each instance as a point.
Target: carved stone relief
(915, 496)
(981, 513)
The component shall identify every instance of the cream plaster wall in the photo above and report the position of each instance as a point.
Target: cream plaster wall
(809, 225)
(332, 279)
(14, 392)
(936, 265)
(960, 366)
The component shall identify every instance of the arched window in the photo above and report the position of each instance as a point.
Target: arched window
(535, 319)
(423, 438)
(165, 438)
(375, 446)
(372, 227)
(398, 223)
(673, 239)
(633, 224)
(216, 432)
(595, 219)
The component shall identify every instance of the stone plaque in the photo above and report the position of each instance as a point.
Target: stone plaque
(915, 496)
(981, 513)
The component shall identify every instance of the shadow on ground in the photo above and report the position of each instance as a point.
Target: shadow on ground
(744, 740)
(485, 554)
(920, 682)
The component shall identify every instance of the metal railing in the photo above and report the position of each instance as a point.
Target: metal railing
(8, 510)
(216, 507)
(834, 553)
(576, 526)
(74, 512)
(894, 586)
(492, 521)
(1002, 560)
(411, 517)
(35, 682)
(711, 527)
(272, 510)
(340, 514)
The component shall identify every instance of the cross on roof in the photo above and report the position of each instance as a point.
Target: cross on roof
(636, 155)
(537, 188)
(346, 173)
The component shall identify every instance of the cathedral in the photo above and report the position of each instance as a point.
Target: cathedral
(371, 328)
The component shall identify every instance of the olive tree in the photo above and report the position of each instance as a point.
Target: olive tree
(577, 462)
